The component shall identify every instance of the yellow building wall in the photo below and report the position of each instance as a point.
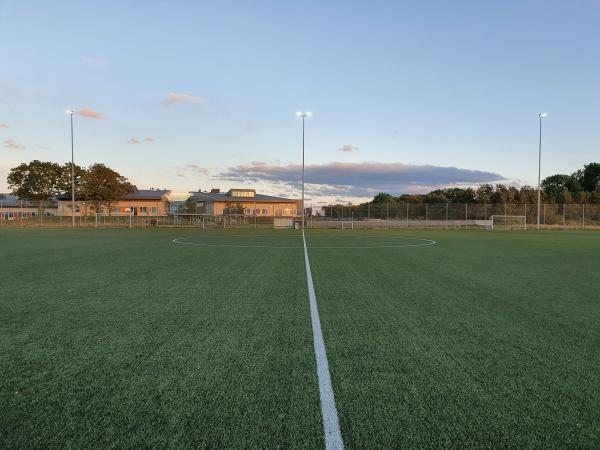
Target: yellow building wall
(284, 209)
(123, 207)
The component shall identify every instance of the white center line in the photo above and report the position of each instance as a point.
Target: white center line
(331, 424)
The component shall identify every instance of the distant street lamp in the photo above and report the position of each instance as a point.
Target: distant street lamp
(70, 113)
(304, 116)
(539, 193)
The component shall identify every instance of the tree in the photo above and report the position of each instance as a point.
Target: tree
(383, 198)
(590, 178)
(233, 208)
(80, 185)
(484, 193)
(36, 181)
(104, 186)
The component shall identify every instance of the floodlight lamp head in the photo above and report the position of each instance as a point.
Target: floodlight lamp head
(543, 114)
(69, 112)
(304, 114)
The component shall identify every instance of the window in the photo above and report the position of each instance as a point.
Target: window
(154, 210)
(242, 194)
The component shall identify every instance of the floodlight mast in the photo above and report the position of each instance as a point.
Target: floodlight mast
(304, 115)
(70, 113)
(539, 193)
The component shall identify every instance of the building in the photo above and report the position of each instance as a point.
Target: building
(12, 208)
(177, 200)
(244, 201)
(142, 202)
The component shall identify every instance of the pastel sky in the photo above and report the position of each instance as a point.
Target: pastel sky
(406, 96)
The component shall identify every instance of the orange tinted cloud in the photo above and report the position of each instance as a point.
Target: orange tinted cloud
(91, 114)
(173, 98)
(10, 143)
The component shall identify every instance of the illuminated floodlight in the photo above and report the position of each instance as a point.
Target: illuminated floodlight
(543, 114)
(69, 112)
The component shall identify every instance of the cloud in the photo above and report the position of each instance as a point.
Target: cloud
(91, 61)
(91, 114)
(3, 126)
(347, 148)
(173, 98)
(135, 141)
(358, 179)
(196, 168)
(11, 144)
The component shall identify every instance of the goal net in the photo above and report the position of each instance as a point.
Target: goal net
(504, 222)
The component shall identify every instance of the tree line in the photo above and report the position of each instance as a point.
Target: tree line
(582, 186)
(40, 181)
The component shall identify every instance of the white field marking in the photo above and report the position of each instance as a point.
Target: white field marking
(423, 242)
(331, 424)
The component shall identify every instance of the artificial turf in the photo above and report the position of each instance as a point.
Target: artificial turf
(484, 340)
(123, 339)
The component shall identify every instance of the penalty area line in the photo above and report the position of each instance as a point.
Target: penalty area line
(331, 424)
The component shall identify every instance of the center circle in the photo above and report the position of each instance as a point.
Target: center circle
(294, 241)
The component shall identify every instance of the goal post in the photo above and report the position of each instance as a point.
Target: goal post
(504, 222)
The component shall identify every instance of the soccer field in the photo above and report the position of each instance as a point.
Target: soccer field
(181, 338)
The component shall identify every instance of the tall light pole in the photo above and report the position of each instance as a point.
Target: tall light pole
(304, 115)
(70, 113)
(539, 193)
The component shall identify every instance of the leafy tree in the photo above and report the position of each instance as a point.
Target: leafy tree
(104, 186)
(590, 177)
(233, 208)
(484, 193)
(80, 185)
(383, 198)
(527, 194)
(36, 181)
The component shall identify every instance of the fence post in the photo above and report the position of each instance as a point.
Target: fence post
(564, 213)
(446, 213)
(544, 217)
(406, 215)
(426, 215)
(466, 213)
(387, 209)
(583, 216)
(368, 210)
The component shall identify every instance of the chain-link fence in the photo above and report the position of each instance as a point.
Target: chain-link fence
(364, 215)
(459, 214)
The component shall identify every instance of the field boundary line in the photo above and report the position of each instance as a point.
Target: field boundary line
(331, 424)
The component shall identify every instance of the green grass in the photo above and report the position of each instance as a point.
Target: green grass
(123, 339)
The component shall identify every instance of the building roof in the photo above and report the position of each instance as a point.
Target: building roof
(146, 194)
(226, 197)
(12, 201)
(139, 194)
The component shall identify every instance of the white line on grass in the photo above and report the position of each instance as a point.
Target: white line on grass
(331, 424)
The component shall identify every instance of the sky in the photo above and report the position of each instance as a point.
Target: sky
(405, 96)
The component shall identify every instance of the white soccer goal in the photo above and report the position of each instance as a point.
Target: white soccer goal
(347, 225)
(504, 222)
